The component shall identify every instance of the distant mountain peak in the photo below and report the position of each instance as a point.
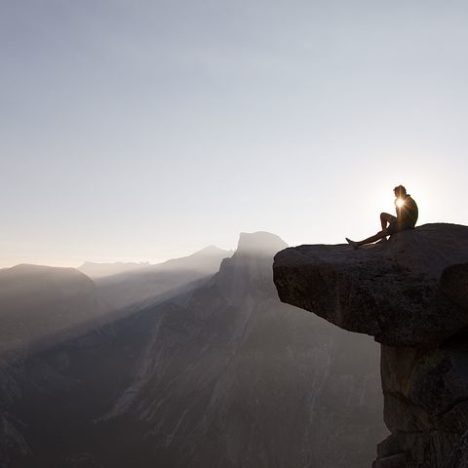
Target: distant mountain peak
(101, 270)
(197, 259)
(32, 270)
(212, 250)
(136, 264)
(38, 268)
(260, 242)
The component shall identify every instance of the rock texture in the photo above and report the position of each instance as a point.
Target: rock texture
(411, 294)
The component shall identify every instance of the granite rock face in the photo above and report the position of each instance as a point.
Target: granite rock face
(411, 294)
(231, 379)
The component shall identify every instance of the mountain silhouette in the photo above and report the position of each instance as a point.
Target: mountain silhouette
(222, 374)
(100, 270)
(142, 284)
(37, 302)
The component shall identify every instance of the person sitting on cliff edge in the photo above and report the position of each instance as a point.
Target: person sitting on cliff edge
(407, 215)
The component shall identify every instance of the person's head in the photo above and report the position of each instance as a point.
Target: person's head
(399, 191)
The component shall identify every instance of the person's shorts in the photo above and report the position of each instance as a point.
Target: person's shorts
(396, 226)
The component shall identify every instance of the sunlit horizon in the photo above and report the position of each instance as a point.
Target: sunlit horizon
(143, 134)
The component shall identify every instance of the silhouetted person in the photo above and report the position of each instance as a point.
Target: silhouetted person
(407, 215)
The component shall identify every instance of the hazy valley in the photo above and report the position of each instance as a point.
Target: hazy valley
(191, 363)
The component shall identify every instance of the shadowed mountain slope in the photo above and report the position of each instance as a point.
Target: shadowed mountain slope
(37, 302)
(224, 375)
(235, 378)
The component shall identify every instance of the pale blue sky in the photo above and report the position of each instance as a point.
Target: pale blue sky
(142, 130)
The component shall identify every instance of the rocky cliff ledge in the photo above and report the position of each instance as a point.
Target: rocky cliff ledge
(411, 294)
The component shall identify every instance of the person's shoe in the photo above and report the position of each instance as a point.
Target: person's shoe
(353, 244)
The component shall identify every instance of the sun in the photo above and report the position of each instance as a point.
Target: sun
(400, 202)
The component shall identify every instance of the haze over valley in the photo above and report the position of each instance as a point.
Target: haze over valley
(208, 370)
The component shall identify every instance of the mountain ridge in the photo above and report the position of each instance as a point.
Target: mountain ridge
(223, 374)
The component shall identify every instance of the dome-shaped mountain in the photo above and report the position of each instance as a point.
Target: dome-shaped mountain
(259, 243)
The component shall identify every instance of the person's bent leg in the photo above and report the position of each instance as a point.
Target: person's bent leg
(386, 219)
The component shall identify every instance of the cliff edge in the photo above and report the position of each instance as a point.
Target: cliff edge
(411, 294)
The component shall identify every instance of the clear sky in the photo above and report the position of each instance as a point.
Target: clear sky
(143, 130)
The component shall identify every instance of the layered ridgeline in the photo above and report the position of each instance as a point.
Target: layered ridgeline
(138, 283)
(46, 308)
(223, 374)
(411, 294)
(234, 378)
(40, 305)
(101, 270)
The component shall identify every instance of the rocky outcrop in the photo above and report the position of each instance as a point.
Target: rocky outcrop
(411, 294)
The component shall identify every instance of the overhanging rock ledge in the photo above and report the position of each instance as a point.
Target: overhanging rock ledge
(411, 294)
(398, 291)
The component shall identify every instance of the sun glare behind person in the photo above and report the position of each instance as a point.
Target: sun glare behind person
(407, 215)
(399, 202)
